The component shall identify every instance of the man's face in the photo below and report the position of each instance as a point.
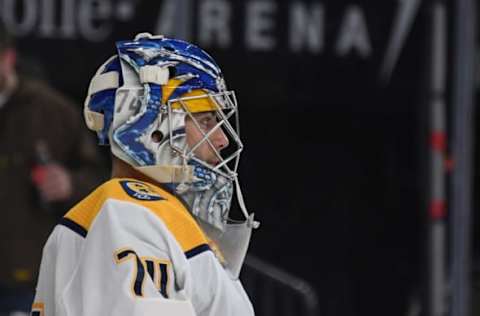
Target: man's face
(206, 121)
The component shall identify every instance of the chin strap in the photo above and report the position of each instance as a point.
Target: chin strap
(183, 186)
(251, 222)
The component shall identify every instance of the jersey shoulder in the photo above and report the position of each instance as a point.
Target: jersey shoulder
(167, 207)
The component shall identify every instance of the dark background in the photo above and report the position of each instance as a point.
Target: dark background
(334, 151)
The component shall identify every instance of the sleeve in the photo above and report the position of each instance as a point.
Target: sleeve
(58, 261)
(124, 268)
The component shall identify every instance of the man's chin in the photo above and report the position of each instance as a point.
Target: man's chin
(213, 162)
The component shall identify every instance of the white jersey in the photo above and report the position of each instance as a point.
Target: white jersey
(127, 244)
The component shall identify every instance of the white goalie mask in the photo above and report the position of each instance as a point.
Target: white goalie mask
(163, 107)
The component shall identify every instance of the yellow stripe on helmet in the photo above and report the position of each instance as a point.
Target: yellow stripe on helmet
(203, 103)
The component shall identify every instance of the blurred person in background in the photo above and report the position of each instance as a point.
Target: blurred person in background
(47, 163)
(132, 247)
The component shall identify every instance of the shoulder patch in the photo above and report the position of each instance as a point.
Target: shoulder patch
(140, 191)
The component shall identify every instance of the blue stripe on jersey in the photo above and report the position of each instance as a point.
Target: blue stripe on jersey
(73, 226)
(197, 250)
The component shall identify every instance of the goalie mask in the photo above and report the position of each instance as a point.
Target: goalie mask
(163, 107)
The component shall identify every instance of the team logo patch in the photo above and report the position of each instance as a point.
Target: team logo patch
(140, 191)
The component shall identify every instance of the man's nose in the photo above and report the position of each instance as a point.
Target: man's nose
(219, 139)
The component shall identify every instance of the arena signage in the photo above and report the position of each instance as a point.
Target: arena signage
(266, 25)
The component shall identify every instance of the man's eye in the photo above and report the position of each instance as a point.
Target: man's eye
(207, 121)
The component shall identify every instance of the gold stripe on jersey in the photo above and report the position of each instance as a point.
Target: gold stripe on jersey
(169, 209)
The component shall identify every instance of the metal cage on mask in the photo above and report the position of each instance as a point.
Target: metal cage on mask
(224, 106)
